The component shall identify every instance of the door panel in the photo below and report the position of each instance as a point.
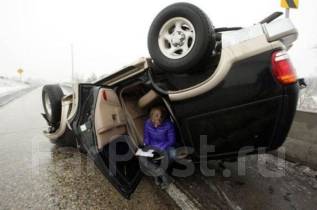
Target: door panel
(82, 123)
(229, 130)
(123, 167)
(241, 111)
(110, 121)
(114, 159)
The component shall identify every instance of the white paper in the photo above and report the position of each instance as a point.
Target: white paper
(83, 127)
(142, 153)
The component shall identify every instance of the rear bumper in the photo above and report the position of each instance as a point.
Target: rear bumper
(286, 116)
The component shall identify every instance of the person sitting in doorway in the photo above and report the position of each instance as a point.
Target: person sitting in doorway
(159, 135)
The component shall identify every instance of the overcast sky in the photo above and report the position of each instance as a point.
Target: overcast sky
(35, 35)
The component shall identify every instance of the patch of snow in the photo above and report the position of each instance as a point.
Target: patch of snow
(8, 86)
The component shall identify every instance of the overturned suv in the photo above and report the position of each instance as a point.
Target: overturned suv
(230, 88)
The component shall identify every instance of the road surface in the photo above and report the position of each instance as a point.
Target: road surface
(38, 175)
(34, 174)
(263, 182)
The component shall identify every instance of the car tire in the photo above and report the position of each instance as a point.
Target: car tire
(181, 38)
(68, 139)
(52, 103)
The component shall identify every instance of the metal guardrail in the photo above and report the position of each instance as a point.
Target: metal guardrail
(301, 144)
(304, 127)
(5, 99)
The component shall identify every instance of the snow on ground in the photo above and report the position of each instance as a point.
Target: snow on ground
(8, 86)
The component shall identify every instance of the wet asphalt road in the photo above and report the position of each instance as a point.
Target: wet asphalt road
(35, 174)
(261, 182)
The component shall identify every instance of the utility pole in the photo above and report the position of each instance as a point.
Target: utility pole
(287, 12)
(72, 60)
(20, 72)
(288, 4)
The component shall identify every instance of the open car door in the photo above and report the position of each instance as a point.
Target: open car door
(102, 131)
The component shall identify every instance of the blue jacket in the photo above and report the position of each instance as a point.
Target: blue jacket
(161, 137)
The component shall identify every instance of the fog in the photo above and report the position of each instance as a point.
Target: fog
(36, 35)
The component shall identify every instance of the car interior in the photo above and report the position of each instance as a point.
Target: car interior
(123, 113)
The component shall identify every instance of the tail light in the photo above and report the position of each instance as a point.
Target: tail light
(282, 68)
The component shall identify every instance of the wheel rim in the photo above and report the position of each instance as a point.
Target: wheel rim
(48, 107)
(176, 38)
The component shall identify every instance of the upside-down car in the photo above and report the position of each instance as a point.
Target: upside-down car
(236, 87)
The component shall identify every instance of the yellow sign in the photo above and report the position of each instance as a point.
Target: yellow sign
(289, 4)
(20, 71)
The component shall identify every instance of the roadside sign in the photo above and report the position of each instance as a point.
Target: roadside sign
(20, 72)
(287, 4)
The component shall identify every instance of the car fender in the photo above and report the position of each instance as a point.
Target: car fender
(63, 123)
(69, 109)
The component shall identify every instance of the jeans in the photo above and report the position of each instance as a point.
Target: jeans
(154, 168)
(171, 152)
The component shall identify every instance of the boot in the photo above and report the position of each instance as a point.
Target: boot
(157, 180)
(166, 181)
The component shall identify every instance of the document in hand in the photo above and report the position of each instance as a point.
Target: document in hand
(148, 153)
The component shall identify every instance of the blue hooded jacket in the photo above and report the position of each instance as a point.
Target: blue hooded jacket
(162, 137)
